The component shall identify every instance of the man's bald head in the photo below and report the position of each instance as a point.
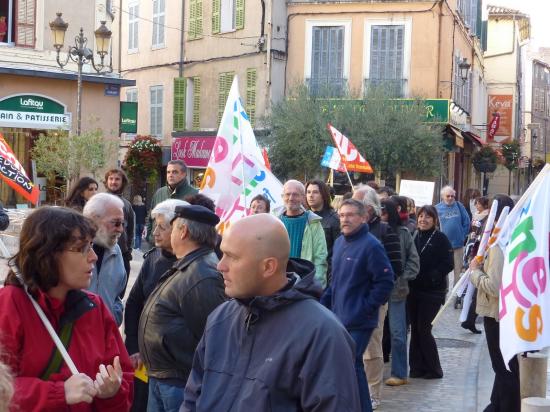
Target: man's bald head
(256, 250)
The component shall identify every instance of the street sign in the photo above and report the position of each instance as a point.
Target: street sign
(128, 117)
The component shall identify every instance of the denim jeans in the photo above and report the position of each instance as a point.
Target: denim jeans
(139, 232)
(361, 339)
(398, 330)
(164, 397)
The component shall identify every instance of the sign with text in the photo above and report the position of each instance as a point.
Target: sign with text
(501, 104)
(128, 117)
(193, 150)
(421, 192)
(33, 111)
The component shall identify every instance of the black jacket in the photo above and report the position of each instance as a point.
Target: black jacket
(156, 263)
(4, 218)
(436, 261)
(331, 227)
(390, 240)
(283, 352)
(174, 316)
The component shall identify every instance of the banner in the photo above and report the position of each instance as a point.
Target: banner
(12, 172)
(236, 170)
(524, 302)
(503, 106)
(351, 158)
(493, 127)
(332, 159)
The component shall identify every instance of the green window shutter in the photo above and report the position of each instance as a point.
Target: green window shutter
(198, 19)
(192, 33)
(225, 80)
(239, 14)
(251, 95)
(196, 103)
(216, 15)
(180, 84)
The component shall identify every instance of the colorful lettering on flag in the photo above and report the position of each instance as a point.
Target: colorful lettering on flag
(524, 292)
(332, 159)
(351, 157)
(13, 173)
(236, 170)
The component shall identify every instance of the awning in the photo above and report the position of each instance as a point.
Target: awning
(475, 139)
(457, 133)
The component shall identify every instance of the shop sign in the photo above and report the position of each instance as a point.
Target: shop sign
(434, 110)
(193, 150)
(501, 105)
(33, 111)
(128, 117)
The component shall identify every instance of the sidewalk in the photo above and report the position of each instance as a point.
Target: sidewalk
(468, 376)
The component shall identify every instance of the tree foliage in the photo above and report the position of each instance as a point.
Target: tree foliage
(57, 153)
(511, 152)
(143, 161)
(391, 135)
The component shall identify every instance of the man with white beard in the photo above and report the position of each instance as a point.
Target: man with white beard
(109, 275)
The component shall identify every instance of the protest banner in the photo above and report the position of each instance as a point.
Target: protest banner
(351, 158)
(332, 159)
(422, 192)
(236, 170)
(13, 173)
(524, 304)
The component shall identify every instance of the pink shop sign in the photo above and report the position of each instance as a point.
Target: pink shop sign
(194, 151)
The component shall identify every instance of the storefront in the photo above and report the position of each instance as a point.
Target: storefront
(194, 148)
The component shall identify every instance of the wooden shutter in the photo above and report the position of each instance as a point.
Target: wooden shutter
(192, 32)
(216, 15)
(239, 14)
(196, 103)
(25, 23)
(251, 95)
(198, 18)
(180, 84)
(225, 80)
(386, 57)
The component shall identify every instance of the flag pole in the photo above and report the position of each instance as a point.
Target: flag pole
(349, 178)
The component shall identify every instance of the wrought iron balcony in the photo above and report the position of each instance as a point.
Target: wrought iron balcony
(332, 87)
(393, 87)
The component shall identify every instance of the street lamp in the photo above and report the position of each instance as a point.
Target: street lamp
(464, 68)
(80, 54)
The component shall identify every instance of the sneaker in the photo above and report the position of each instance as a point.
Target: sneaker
(394, 381)
(375, 403)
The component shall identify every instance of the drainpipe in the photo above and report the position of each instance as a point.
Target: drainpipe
(120, 37)
(180, 66)
(439, 17)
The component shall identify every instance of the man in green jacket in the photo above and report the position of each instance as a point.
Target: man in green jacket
(176, 188)
(307, 237)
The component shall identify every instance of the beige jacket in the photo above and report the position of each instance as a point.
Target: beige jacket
(487, 282)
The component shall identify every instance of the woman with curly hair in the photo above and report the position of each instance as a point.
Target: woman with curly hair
(84, 189)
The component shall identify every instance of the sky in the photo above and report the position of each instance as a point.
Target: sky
(539, 13)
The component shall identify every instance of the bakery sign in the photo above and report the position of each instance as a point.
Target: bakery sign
(34, 112)
(193, 150)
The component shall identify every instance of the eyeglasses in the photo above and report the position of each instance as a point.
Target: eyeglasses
(347, 215)
(83, 250)
(118, 223)
(451, 196)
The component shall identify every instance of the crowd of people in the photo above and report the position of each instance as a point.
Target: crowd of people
(295, 308)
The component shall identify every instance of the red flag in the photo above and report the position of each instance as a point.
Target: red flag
(351, 157)
(493, 127)
(12, 172)
(266, 159)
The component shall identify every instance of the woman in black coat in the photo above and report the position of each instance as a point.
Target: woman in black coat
(427, 293)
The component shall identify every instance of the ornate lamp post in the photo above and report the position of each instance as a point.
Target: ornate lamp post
(80, 54)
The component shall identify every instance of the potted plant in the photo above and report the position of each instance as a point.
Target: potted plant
(143, 161)
(485, 160)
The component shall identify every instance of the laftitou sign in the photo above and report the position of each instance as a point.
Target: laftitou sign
(33, 111)
(12, 172)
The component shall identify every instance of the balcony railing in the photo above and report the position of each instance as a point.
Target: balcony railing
(332, 87)
(394, 88)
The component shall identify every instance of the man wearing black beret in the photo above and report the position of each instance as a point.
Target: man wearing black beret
(174, 316)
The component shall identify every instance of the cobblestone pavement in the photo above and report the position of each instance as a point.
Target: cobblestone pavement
(463, 388)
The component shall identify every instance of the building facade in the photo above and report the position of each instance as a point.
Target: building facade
(184, 60)
(414, 48)
(36, 95)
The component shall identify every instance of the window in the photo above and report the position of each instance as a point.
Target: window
(387, 46)
(180, 97)
(133, 18)
(131, 95)
(462, 89)
(20, 22)
(187, 103)
(468, 10)
(251, 95)
(196, 115)
(156, 102)
(327, 61)
(224, 86)
(227, 15)
(158, 23)
(195, 19)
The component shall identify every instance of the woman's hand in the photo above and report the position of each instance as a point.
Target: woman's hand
(136, 360)
(108, 379)
(475, 263)
(79, 388)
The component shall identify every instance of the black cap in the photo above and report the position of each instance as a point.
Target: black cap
(197, 213)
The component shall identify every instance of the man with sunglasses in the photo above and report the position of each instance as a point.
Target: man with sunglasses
(109, 275)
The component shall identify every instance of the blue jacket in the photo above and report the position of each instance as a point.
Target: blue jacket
(110, 282)
(454, 222)
(283, 352)
(362, 280)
